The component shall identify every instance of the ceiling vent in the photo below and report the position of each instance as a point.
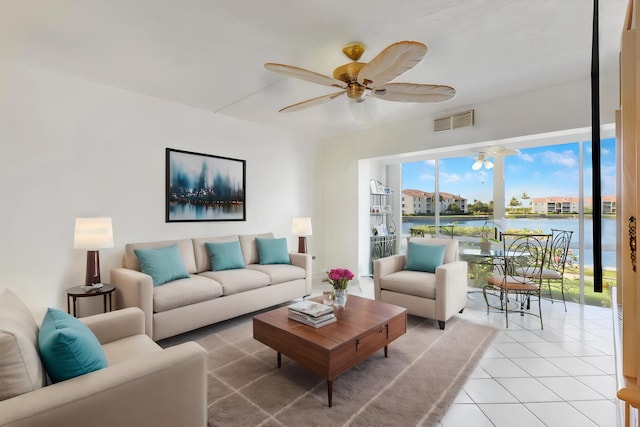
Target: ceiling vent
(456, 121)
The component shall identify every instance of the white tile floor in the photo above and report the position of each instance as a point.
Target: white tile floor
(563, 375)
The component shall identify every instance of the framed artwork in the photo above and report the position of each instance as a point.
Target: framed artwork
(204, 187)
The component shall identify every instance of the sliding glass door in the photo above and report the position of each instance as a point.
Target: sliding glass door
(544, 188)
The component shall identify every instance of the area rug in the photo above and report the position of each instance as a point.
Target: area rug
(414, 386)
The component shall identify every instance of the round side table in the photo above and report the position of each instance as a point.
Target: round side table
(82, 292)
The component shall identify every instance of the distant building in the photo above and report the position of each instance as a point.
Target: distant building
(417, 202)
(560, 205)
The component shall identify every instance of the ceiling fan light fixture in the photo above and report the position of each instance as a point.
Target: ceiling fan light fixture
(477, 165)
(488, 164)
(373, 78)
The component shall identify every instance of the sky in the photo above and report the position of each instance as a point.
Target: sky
(540, 172)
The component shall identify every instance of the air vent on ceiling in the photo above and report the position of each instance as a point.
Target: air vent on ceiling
(453, 122)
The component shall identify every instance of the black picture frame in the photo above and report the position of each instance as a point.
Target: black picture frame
(204, 187)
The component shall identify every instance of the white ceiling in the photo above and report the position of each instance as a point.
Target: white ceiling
(210, 53)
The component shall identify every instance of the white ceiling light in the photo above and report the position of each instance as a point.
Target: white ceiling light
(482, 160)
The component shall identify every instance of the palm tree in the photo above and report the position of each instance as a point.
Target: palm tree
(524, 197)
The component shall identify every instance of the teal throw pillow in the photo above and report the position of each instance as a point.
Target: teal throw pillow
(424, 257)
(225, 256)
(272, 251)
(67, 346)
(162, 264)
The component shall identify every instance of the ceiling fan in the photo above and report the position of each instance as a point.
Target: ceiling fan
(483, 156)
(360, 79)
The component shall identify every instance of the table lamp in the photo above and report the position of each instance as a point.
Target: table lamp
(301, 227)
(93, 234)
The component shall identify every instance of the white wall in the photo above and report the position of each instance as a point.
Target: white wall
(548, 110)
(72, 148)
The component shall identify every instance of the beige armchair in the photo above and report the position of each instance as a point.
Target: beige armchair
(143, 385)
(438, 295)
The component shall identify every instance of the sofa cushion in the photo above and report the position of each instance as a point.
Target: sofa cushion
(410, 282)
(68, 347)
(225, 256)
(236, 281)
(182, 292)
(185, 246)
(162, 264)
(202, 258)
(279, 273)
(249, 247)
(421, 257)
(272, 251)
(21, 370)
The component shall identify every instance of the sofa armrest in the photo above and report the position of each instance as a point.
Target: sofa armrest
(134, 289)
(385, 266)
(451, 282)
(166, 388)
(303, 261)
(115, 325)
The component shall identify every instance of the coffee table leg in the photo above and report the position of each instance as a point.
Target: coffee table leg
(386, 351)
(330, 392)
(279, 360)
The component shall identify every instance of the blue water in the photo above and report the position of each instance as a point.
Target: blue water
(545, 225)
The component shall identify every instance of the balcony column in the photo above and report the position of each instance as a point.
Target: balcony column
(498, 188)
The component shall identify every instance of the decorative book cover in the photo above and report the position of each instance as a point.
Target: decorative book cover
(296, 315)
(311, 308)
(312, 323)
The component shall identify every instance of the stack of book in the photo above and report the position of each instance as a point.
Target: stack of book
(312, 313)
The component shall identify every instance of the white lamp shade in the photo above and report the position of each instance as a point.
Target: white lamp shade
(301, 227)
(93, 233)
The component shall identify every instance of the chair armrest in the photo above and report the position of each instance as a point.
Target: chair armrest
(385, 266)
(134, 289)
(166, 388)
(115, 325)
(451, 282)
(303, 261)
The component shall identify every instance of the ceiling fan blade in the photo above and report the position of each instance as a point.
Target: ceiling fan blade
(301, 73)
(411, 92)
(311, 102)
(391, 62)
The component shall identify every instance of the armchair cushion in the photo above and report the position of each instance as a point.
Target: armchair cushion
(21, 370)
(411, 283)
(68, 347)
(423, 257)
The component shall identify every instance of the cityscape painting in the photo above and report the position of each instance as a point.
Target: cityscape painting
(204, 187)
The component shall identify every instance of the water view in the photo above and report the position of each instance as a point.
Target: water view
(545, 225)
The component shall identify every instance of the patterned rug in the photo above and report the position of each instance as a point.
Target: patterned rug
(414, 386)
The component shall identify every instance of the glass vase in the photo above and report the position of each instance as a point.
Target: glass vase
(340, 297)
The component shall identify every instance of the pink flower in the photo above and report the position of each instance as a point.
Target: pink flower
(339, 277)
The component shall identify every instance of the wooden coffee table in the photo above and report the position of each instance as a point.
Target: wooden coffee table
(364, 326)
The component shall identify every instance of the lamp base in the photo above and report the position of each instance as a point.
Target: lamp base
(302, 244)
(93, 268)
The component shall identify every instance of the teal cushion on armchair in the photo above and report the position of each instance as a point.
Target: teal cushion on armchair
(424, 257)
(68, 348)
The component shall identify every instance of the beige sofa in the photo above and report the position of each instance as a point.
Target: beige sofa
(143, 385)
(437, 295)
(207, 297)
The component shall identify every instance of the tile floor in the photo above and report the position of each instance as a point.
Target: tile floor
(563, 375)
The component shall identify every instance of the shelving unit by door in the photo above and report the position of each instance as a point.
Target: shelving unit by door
(383, 228)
